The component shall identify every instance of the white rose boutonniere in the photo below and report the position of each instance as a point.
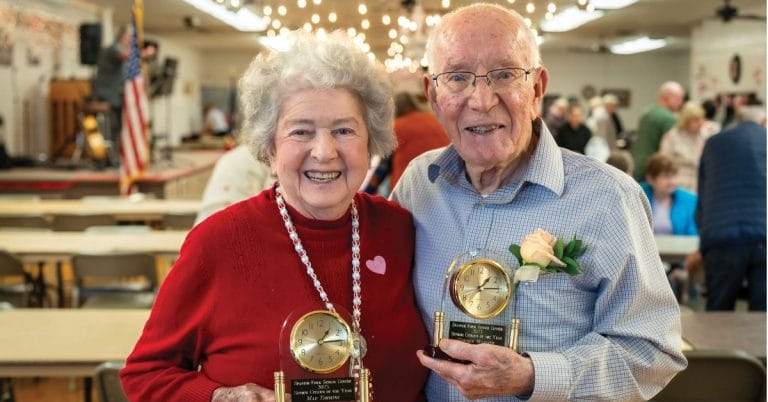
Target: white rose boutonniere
(549, 253)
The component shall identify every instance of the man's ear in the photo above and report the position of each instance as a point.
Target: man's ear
(429, 91)
(539, 89)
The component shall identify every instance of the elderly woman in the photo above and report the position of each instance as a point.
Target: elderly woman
(315, 114)
(685, 142)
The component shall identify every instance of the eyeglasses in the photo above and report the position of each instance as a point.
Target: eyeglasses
(500, 78)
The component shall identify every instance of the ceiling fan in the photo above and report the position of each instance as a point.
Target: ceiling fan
(728, 12)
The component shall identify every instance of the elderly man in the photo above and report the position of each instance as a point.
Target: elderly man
(609, 333)
(655, 121)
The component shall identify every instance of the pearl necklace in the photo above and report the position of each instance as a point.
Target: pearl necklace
(356, 288)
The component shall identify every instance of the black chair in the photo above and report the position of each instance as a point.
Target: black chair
(79, 222)
(108, 382)
(16, 285)
(717, 376)
(114, 280)
(178, 221)
(31, 221)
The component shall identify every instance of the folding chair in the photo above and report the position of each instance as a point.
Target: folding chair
(114, 280)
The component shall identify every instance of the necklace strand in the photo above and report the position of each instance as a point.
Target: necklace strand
(356, 287)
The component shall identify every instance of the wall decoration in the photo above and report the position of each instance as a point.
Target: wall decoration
(623, 94)
(734, 69)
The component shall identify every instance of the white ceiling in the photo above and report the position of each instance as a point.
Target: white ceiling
(658, 18)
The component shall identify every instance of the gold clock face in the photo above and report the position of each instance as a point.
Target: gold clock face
(481, 288)
(320, 341)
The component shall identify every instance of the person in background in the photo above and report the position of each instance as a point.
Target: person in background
(215, 121)
(622, 160)
(315, 113)
(555, 118)
(731, 212)
(109, 82)
(710, 126)
(574, 135)
(654, 122)
(236, 176)
(416, 131)
(685, 142)
(611, 104)
(609, 333)
(673, 210)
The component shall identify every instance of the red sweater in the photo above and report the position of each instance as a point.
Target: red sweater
(237, 279)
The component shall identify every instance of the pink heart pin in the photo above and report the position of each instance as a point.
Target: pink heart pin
(377, 265)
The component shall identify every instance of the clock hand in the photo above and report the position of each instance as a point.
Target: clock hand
(321, 340)
(483, 284)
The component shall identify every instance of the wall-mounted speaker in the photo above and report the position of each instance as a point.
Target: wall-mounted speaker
(90, 43)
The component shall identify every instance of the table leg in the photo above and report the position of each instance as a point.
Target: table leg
(59, 285)
(87, 389)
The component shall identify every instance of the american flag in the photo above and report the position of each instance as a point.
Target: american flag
(134, 140)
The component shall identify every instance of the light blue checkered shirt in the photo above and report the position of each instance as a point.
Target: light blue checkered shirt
(611, 333)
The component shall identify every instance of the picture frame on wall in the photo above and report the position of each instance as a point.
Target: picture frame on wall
(623, 94)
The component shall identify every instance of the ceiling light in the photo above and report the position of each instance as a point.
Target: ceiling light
(527, 22)
(386, 20)
(267, 10)
(530, 8)
(301, 3)
(446, 3)
(278, 43)
(392, 33)
(365, 24)
(551, 7)
(362, 9)
(242, 20)
(332, 17)
(307, 27)
(611, 4)
(638, 45)
(282, 10)
(569, 18)
(315, 19)
(317, 2)
(276, 23)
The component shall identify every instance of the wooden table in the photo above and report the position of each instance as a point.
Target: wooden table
(33, 244)
(122, 208)
(675, 248)
(38, 247)
(65, 343)
(726, 330)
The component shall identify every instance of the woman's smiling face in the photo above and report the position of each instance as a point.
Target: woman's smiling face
(321, 151)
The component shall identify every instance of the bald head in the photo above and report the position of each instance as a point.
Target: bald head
(670, 95)
(476, 19)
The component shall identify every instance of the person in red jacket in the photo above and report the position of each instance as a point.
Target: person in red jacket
(417, 132)
(307, 276)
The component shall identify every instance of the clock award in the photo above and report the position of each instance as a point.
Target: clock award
(477, 304)
(321, 358)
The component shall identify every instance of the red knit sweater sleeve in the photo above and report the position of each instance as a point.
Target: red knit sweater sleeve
(163, 365)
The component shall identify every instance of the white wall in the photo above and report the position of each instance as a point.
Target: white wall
(50, 35)
(219, 67)
(56, 43)
(714, 44)
(641, 74)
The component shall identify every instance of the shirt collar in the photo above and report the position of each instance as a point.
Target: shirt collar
(544, 167)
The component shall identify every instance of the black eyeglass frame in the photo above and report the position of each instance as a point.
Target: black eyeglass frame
(486, 76)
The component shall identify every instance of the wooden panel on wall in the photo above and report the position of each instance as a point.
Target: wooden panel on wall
(65, 99)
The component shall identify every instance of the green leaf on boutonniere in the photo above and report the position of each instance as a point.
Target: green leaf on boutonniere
(559, 246)
(572, 267)
(580, 251)
(515, 250)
